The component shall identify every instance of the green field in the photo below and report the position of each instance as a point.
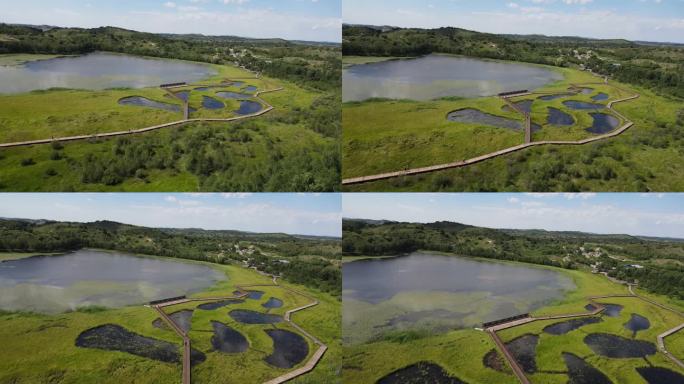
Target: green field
(391, 135)
(42, 346)
(462, 352)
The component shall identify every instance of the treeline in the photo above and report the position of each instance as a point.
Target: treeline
(658, 67)
(323, 274)
(658, 279)
(317, 65)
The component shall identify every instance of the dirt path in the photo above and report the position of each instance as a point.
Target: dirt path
(186, 120)
(459, 164)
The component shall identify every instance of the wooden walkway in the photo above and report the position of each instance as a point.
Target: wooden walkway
(186, 120)
(459, 164)
(242, 289)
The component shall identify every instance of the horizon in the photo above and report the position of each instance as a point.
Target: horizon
(634, 214)
(302, 20)
(658, 21)
(296, 214)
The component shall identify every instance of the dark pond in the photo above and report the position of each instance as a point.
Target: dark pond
(637, 323)
(554, 97)
(494, 361)
(582, 105)
(218, 304)
(658, 375)
(612, 310)
(247, 107)
(182, 318)
(601, 96)
(289, 348)
(580, 372)
(113, 337)
(90, 277)
(524, 105)
(603, 123)
(475, 116)
(420, 373)
(251, 317)
(584, 91)
(273, 303)
(524, 351)
(254, 295)
(232, 95)
(570, 325)
(435, 76)
(211, 103)
(558, 117)
(590, 307)
(183, 95)
(250, 88)
(228, 340)
(99, 70)
(617, 347)
(238, 84)
(140, 101)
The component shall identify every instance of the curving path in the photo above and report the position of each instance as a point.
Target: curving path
(186, 120)
(528, 143)
(306, 368)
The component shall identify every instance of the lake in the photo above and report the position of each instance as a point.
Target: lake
(89, 277)
(99, 70)
(440, 293)
(435, 76)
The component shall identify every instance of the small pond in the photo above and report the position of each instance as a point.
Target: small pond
(218, 304)
(637, 323)
(273, 303)
(182, 318)
(590, 307)
(523, 105)
(113, 337)
(436, 76)
(581, 372)
(558, 117)
(228, 340)
(140, 101)
(89, 278)
(603, 123)
(612, 310)
(614, 346)
(99, 70)
(251, 317)
(420, 373)
(183, 95)
(570, 325)
(211, 103)
(524, 351)
(475, 116)
(248, 107)
(232, 95)
(495, 361)
(658, 375)
(289, 348)
(584, 91)
(554, 97)
(582, 105)
(254, 295)
(600, 97)
(250, 88)
(238, 84)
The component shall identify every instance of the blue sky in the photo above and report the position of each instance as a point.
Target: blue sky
(653, 20)
(317, 20)
(294, 213)
(625, 213)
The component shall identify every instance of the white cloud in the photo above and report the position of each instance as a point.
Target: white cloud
(170, 4)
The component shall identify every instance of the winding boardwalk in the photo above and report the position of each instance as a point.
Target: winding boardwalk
(186, 120)
(527, 144)
(242, 289)
(492, 331)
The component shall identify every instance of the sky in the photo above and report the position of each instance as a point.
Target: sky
(293, 213)
(313, 20)
(660, 215)
(650, 20)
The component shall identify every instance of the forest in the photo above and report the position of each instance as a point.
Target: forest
(662, 259)
(311, 261)
(658, 67)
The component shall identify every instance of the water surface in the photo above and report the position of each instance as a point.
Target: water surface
(555, 96)
(582, 105)
(637, 323)
(183, 320)
(581, 372)
(570, 325)
(603, 123)
(659, 375)
(248, 107)
(614, 346)
(246, 316)
(420, 373)
(90, 277)
(435, 76)
(524, 351)
(475, 116)
(227, 340)
(232, 95)
(218, 304)
(273, 303)
(100, 70)
(558, 117)
(211, 103)
(289, 348)
(140, 101)
(600, 97)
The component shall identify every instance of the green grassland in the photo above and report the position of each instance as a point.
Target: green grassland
(390, 135)
(42, 346)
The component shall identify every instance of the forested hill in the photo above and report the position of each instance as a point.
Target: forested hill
(657, 66)
(313, 64)
(657, 264)
(312, 261)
